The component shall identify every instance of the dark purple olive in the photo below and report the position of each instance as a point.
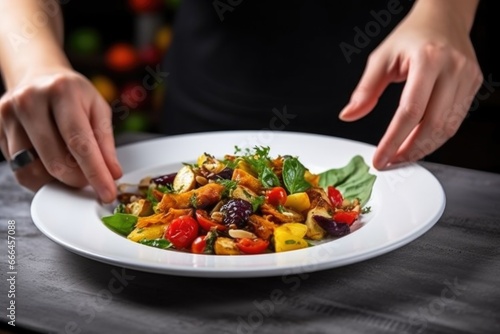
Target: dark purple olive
(164, 179)
(226, 174)
(236, 211)
(332, 227)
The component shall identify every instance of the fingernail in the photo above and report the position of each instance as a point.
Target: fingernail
(344, 113)
(105, 195)
(381, 162)
(117, 171)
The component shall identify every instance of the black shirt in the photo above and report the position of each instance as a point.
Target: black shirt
(278, 65)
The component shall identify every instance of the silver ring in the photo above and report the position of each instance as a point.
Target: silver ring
(22, 158)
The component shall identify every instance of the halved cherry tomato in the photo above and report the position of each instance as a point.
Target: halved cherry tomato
(182, 231)
(335, 196)
(206, 223)
(252, 246)
(348, 217)
(199, 244)
(276, 196)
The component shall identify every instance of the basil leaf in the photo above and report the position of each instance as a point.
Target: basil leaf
(121, 223)
(268, 178)
(293, 176)
(353, 180)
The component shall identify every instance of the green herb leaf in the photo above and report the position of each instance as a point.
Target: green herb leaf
(259, 160)
(257, 202)
(121, 223)
(120, 208)
(229, 186)
(193, 200)
(210, 242)
(158, 243)
(293, 176)
(268, 178)
(353, 180)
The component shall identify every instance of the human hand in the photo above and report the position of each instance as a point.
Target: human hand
(431, 51)
(59, 114)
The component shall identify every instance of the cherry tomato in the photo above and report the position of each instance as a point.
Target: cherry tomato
(199, 244)
(206, 223)
(347, 217)
(276, 196)
(335, 196)
(182, 231)
(252, 246)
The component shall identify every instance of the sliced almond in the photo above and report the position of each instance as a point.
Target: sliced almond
(238, 234)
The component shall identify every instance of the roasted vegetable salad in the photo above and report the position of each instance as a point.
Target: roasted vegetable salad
(247, 202)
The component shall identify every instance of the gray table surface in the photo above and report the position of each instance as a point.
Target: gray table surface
(446, 281)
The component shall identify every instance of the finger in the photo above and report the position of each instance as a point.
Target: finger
(3, 138)
(103, 131)
(446, 111)
(74, 126)
(32, 111)
(3, 143)
(414, 100)
(434, 129)
(14, 139)
(365, 96)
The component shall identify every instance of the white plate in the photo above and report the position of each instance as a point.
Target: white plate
(405, 202)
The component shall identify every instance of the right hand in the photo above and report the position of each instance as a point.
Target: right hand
(60, 114)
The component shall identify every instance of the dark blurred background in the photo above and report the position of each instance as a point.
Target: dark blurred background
(113, 42)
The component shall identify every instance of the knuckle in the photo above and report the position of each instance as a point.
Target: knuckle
(59, 85)
(433, 53)
(6, 110)
(412, 111)
(66, 172)
(449, 129)
(437, 129)
(93, 176)
(80, 145)
(57, 169)
(22, 99)
(460, 61)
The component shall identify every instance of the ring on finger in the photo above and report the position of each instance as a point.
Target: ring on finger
(22, 158)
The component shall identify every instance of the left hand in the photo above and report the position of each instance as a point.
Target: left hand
(431, 51)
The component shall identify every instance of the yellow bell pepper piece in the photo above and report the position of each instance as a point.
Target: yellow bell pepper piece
(149, 233)
(298, 202)
(290, 236)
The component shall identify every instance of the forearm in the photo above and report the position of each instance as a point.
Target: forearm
(462, 12)
(31, 37)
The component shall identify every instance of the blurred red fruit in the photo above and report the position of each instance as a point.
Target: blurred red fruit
(150, 55)
(122, 57)
(134, 95)
(144, 6)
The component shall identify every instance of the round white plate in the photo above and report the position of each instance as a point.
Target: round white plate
(406, 202)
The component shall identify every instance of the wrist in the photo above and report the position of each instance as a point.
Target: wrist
(460, 12)
(28, 59)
